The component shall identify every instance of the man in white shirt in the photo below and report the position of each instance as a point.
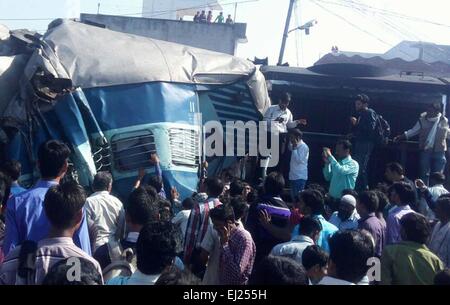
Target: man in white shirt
(105, 211)
(429, 195)
(433, 131)
(346, 217)
(298, 171)
(281, 118)
(308, 234)
(182, 217)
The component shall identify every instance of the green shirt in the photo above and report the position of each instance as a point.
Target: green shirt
(409, 263)
(341, 175)
(220, 19)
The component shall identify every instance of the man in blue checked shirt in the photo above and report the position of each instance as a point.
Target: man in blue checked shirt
(25, 216)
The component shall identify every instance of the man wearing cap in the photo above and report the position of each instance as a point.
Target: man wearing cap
(433, 130)
(346, 217)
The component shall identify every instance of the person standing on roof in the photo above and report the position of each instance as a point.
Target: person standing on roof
(433, 131)
(202, 18)
(364, 124)
(209, 17)
(220, 18)
(279, 120)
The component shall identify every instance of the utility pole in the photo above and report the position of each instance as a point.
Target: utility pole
(285, 33)
(235, 12)
(98, 8)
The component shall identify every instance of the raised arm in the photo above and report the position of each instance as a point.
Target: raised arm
(345, 169)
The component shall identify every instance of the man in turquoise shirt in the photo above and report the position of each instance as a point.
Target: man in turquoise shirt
(341, 173)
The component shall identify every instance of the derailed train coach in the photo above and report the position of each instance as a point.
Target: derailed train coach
(114, 98)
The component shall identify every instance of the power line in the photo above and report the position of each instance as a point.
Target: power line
(351, 23)
(346, 3)
(357, 6)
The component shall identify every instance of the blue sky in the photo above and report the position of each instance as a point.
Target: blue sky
(340, 22)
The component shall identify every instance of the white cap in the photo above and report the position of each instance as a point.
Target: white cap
(349, 199)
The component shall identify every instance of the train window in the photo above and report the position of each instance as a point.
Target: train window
(184, 146)
(133, 152)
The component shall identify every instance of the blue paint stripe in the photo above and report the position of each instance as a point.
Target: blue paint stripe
(228, 101)
(235, 117)
(238, 110)
(230, 93)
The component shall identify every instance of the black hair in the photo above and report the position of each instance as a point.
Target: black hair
(437, 177)
(5, 188)
(350, 192)
(227, 175)
(349, 251)
(286, 196)
(436, 106)
(317, 187)
(62, 202)
(314, 200)
(52, 156)
(240, 206)
(383, 200)
(236, 187)
(369, 200)
(252, 196)
(444, 203)
(415, 227)
(156, 247)
(296, 133)
(214, 186)
(346, 144)
(173, 276)
(165, 209)
(102, 180)
(188, 203)
(314, 255)
(363, 98)
(12, 168)
(142, 206)
(274, 184)
(309, 225)
(285, 96)
(405, 192)
(442, 277)
(57, 275)
(382, 187)
(223, 212)
(278, 270)
(156, 182)
(396, 168)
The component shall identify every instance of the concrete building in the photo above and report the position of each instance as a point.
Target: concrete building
(176, 9)
(215, 37)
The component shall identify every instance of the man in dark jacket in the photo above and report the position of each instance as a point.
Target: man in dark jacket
(364, 124)
(270, 205)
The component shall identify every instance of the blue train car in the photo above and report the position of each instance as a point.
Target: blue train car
(115, 98)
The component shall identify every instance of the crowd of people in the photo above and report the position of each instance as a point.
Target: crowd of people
(230, 231)
(208, 18)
